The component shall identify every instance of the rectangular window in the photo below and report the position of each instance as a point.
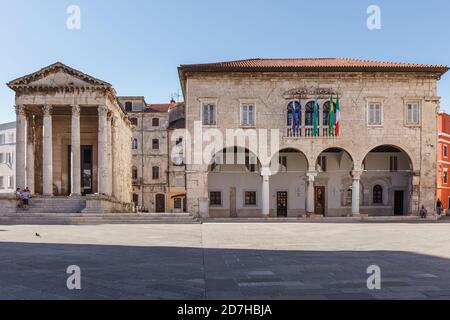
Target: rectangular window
(177, 203)
(135, 144)
(215, 198)
(445, 177)
(247, 115)
(11, 138)
(282, 160)
(250, 163)
(155, 173)
(393, 164)
(9, 158)
(374, 114)
(2, 158)
(322, 163)
(155, 144)
(10, 182)
(209, 114)
(445, 151)
(250, 198)
(2, 139)
(2, 186)
(179, 182)
(412, 113)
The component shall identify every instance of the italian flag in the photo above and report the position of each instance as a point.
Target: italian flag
(338, 116)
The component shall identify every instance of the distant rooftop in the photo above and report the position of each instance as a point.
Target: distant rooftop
(7, 126)
(312, 64)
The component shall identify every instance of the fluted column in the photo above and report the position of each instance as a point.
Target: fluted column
(356, 175)
(47, 152)
(265, 173)
(310, 193)
(76, 157)
(109, 155)
(20, 146)
(102, 150)
(30, 152)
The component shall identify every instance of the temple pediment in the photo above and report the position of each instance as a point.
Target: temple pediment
(57, 75)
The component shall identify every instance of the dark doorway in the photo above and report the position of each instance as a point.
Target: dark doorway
(398, 203)
(282, 203)
(233, 210)
(319, 201)
(160, 206)
(86, 156)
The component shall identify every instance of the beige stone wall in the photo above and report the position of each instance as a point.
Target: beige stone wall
(144, 158)
(357, 138)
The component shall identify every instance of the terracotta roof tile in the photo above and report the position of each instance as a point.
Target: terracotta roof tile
(158, 107)
(311, 64)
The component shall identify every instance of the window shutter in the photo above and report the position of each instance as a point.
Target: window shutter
(251, 115)
(212, 115)
(244, 115)
(416, 113)
(205, 114)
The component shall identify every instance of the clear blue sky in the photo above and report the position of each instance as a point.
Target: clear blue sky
(137, 45)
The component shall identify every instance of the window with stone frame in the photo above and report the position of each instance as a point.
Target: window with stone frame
(445, 176)
(128, 106)
(377, 194)
(9, 158)
(11, 138)
(325, 113)
(374, 114)
(445, 151)
(2, 139)
(155, 144)
(155, 122)
(309, 114)
(215, 198)
(248, 115)
(135, 144)
(412, 113)
(348, 197)
(250, 198)
(134, 121)
(209, 114)
(134, 173)
(297, 113)
(2, 185)
(177, 203)
(393, 163)
(322, 163)
(10, 181)
(155, 173)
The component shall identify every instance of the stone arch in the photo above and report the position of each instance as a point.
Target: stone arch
(334, 149)
(291, 149)
(235, 149)
(413, 163)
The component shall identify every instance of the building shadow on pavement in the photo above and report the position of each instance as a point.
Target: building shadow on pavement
(38, 271)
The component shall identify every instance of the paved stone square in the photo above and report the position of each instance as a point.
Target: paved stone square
(227, 261)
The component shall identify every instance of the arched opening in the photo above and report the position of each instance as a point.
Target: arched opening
(309, 114)
(288, 183)
(333, 186)
(388, 177)
(294, 118)
(234, 184)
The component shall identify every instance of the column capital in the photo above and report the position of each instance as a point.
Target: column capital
(356, 174)
(311, 176)
(102, 110)
(265, 172)
(47, 109)
(20, 109)
(76, 110)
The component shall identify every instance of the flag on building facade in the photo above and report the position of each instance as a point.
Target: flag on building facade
(338, 116)
(293, 116)
(299, 114)
(316, 118)
(331, 121)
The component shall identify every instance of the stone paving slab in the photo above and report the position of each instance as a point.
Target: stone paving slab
(226, 261)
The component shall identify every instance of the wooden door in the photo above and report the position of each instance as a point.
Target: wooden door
(282, 203)
(233, 211)
(319, 201)
(160, 205)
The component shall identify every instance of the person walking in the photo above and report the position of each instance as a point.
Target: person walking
(19, 198)
(439, 206)
(26, 198)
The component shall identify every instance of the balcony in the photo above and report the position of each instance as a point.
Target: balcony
(308, 132)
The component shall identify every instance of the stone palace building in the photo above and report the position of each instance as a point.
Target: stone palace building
(76, 138)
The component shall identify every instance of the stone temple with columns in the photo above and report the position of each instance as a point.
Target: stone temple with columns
(74, 138)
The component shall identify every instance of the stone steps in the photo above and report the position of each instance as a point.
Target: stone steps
(55, 205)
(94, 219)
